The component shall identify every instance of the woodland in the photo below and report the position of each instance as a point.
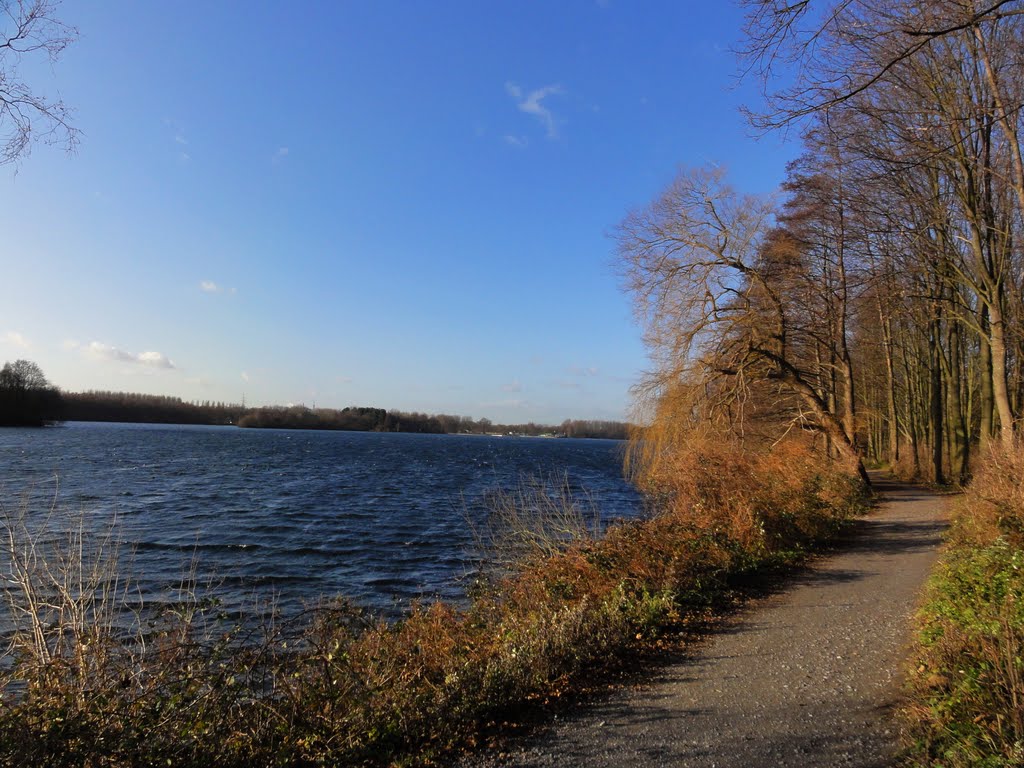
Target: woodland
(876, 302)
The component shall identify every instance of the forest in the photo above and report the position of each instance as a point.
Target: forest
(876, 302)
(28, 399)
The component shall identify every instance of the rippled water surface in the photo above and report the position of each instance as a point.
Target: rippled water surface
(381, 518)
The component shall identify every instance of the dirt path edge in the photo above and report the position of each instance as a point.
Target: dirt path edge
(806, 677)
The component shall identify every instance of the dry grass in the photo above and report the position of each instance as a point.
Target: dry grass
(538, 518)
(339, 688)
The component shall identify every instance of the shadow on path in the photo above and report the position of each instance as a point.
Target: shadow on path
(803, 677)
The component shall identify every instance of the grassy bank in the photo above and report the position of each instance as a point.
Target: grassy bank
(967, 697)
(90, 684)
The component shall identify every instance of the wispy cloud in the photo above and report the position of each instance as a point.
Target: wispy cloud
(208, 286)
(280, 155)
(513, 386)
(179, 138)
(516, 141)
(579, 370)
(532, 103)
(245, 376)
(107, 353)
(15, 339)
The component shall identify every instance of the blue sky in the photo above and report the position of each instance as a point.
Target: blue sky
(397, 204)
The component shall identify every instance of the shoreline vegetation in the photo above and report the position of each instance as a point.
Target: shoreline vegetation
(92, 680)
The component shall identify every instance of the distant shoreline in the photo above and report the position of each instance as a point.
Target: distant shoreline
(129, 407)
(557, 436)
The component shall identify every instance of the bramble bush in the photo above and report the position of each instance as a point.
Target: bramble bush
(967, 693)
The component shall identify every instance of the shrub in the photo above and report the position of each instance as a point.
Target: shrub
(967, 695)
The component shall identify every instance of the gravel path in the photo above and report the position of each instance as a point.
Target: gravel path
(806, 677)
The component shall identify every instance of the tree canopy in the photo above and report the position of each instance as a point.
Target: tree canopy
(878, 303)
(27, 399)
(30, 29)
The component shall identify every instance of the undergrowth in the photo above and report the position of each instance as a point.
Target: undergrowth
(90, 680)
(967, 693)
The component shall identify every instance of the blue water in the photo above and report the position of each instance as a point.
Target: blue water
(295, 515)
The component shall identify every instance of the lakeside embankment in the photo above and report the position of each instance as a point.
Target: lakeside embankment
(805, 677)
(340, 688)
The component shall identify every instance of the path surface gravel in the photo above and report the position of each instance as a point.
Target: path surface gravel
(806, 677)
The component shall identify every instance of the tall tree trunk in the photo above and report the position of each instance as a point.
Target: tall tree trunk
(935, 397)
(986, 404)
(890, 392)
(1000, 391)
(959, 453)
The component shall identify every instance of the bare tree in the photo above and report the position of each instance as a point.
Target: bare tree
(723, 297)
(843, 48)
(30, 29)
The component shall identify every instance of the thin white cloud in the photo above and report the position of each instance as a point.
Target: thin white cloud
(516, 141)
(184, 157)
(149, 359)
(15, 339)
(532, 103)
(579, 370)
(514, 386)
(208, 286)
(179, 139)
(280, 155)
(70, 344)
(245, 376)
(155, 359)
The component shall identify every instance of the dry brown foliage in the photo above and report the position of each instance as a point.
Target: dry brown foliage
(342, 688)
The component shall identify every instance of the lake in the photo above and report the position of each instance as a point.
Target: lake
(295, 515)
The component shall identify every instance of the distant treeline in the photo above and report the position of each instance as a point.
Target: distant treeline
(380, 420)
(351, 419)
(158, 409)
(146, 409)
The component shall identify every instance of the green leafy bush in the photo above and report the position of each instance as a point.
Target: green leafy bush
(967, 694)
